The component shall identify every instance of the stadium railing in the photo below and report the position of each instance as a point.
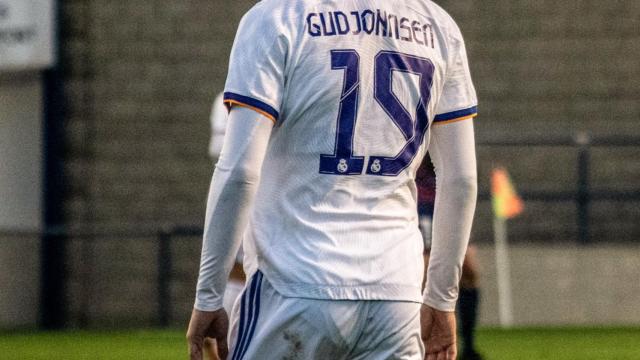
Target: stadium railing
(583, 195)
(54, 284)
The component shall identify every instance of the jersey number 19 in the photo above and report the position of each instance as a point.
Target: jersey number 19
(343, 161)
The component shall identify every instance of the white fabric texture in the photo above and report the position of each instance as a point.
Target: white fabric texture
(453, 154)
(323, 235)
(276, 327)
(349, 229)
(230, 199)
(458, 91)
(218, 121)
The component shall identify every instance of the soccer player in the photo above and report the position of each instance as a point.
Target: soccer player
(218, 120)
(333, 105)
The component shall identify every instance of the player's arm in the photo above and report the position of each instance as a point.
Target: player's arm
(231, 194)
(452, 150)
(453, 153)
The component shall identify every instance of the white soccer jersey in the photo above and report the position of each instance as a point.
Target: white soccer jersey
(352, 87)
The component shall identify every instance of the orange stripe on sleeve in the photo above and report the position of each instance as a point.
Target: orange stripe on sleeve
(455, 120)
(231, 103)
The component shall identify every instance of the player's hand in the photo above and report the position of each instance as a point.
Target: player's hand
(204, 324)
(438, 333)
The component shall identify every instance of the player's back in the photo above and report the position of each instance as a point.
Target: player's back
(353, 87)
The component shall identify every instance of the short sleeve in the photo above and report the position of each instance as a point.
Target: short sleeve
(257, 64)
(458, 100)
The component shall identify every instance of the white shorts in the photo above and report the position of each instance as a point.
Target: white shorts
(266, 325)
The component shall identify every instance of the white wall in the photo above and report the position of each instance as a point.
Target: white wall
(26, 34)
(20, 151)
(566, 285)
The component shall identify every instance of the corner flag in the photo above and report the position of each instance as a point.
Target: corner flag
(506, 203)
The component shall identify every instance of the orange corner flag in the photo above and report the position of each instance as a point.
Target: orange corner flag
(506, 203)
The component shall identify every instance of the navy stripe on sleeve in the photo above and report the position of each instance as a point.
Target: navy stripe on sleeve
(456, 114)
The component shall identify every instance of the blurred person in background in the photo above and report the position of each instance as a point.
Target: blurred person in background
(469, 298)
(468, 303)
(218, 120)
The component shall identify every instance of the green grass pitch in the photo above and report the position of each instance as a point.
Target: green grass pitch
(495, 344)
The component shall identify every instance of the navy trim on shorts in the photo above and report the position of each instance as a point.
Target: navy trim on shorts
(256, 312)
(250, 307)
(241, 330)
